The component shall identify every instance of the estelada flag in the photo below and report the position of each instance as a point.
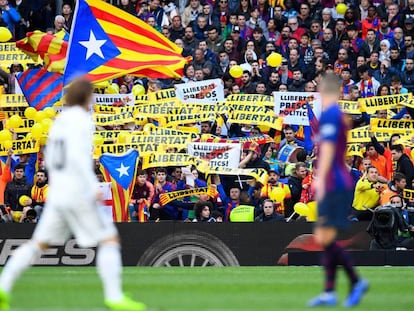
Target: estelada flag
(107, 42)
(50, 48)
(120, 170)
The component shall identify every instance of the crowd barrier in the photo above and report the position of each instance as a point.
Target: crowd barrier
(198, 244)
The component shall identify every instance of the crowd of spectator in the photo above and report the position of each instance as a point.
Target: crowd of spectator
(370, 47)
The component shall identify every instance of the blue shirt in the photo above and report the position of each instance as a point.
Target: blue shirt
(333, 129)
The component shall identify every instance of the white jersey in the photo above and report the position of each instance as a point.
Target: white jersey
(68, 158)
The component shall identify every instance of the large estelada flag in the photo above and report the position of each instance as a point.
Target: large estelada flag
(120, 170)
(107, 42)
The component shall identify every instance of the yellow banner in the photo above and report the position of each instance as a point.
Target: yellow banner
(267, 119)
(372, 104)
(174, 141)
(10, 54)
(349, 107)
(405, 141)
(143, 149)
(354, 149)
(170, 159)
(13, 100)
(106, 109)
(172, 120)
(392, 126)
(8, 114)
(408, 194)
(116, 119)
(163, 96)
(217, 107)
(250, 99)
(23, 146)
(167, 197)
(173, 132)
(361, 135)
(109, 135)
(249, 108)
(259, 174)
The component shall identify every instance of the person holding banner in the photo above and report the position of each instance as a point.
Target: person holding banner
(334, 194)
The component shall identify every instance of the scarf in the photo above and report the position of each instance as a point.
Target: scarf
(369, 92)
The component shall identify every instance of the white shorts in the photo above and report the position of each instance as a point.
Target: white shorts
(86, 223)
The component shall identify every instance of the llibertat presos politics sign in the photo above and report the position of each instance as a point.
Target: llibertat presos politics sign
(206, 91)
(218, 154)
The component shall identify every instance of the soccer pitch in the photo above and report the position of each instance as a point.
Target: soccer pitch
(202, 289)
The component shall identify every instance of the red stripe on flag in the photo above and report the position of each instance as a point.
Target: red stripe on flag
(44, 85)
(34, 79)
(44, 44)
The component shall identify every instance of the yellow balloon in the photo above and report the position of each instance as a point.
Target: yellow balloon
(8, 144)
(148, 128)
(30, 113)
(274, 59)
(40, 115)
(46, 124)
(43, 140)
(138, 90)
(15, 121)
(50, 112)
(301, 208)
(5, 135)
(236, 71)
(37, 131)
(23, 200)
(98, 140)
(341, 8)
(313, 211)
(5, 34)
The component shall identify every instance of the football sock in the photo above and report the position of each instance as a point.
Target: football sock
(17, 264)
(109, 265)
(344, 259)
(330, 266)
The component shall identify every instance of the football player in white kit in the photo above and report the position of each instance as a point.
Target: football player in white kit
(71, 207)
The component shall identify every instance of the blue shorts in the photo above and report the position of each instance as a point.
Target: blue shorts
(334, 209)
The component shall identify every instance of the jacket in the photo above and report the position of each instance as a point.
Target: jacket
(405, 166)
(407, 80)
(14, 190)
(366, 196)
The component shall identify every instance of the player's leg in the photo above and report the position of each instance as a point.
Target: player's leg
(325, 236)
(91, 228)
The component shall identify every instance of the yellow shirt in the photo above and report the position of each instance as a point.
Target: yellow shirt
(366, 196)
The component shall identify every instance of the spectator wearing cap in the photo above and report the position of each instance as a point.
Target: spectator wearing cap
(276, 191)
(256, 21)
(370, 44)
(408, 26)
(407, 76)
(384, 32)
(238, 41)
(191, 11)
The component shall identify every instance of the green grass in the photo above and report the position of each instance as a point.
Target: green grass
(202, 289)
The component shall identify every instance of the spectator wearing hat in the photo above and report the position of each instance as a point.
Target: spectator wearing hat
(276, 191)
(408, 26)
(408, 11)
(238, 41)
(384, 32)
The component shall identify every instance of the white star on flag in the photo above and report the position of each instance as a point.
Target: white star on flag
(123, 170)
(93, 46)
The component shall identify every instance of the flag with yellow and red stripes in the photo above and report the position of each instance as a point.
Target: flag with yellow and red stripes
(107, 42)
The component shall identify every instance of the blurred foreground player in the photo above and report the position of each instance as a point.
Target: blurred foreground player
(71, 207)
(334, 197)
